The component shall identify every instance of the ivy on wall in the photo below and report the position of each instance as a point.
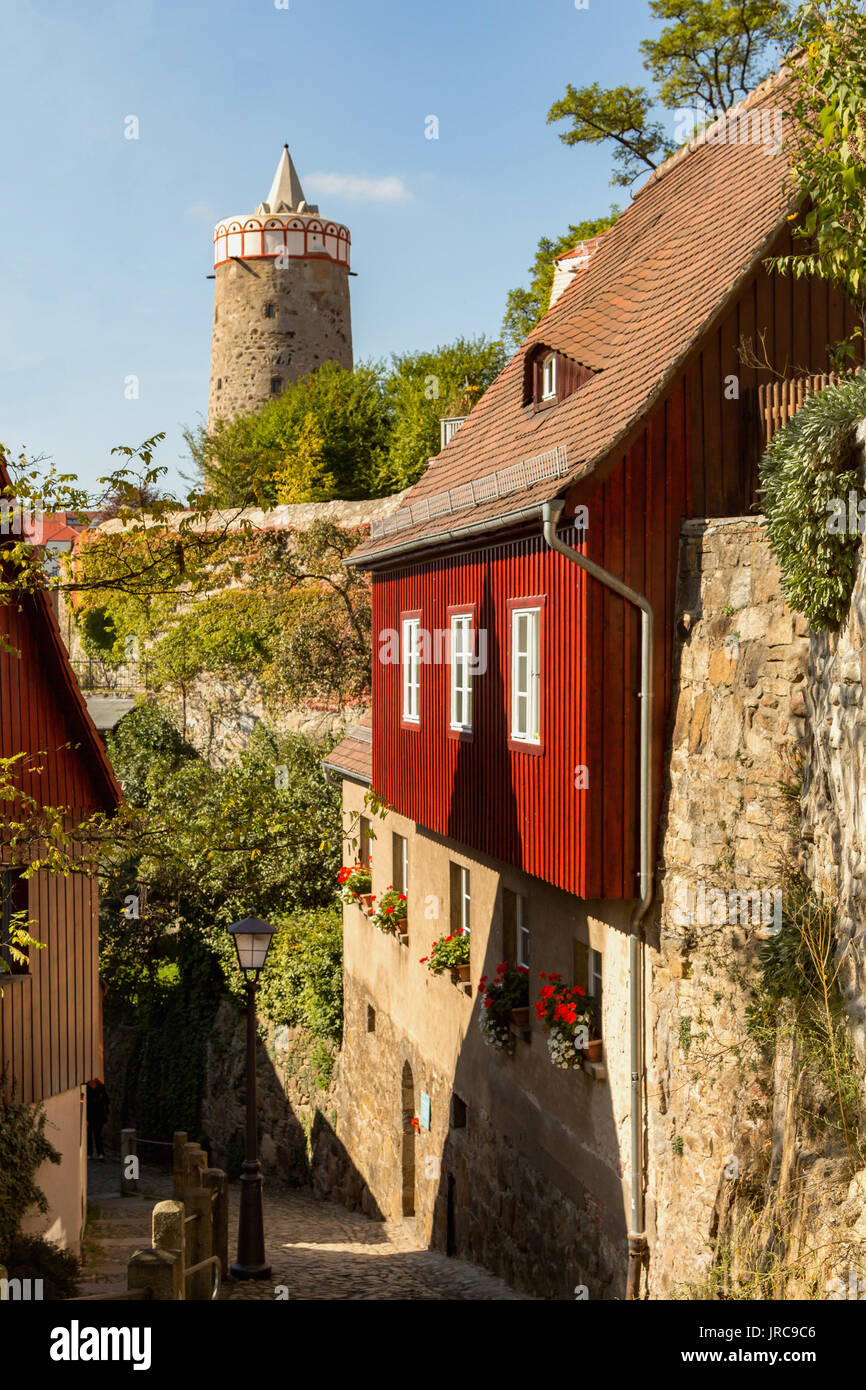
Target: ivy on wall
(808, 474)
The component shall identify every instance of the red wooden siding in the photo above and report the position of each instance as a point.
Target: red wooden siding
(33, 719)
(793, 321)
(522, 807)
(49, 1018)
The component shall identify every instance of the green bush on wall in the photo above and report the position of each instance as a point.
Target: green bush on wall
(808, 468)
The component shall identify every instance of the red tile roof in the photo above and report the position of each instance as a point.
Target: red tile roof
(659, 277)
(353, 758)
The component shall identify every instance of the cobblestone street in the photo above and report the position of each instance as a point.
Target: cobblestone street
(317, 1250)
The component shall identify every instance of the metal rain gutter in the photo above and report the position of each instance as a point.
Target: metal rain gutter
(637, 1242)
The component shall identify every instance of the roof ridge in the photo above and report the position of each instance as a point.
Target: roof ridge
(780, 78)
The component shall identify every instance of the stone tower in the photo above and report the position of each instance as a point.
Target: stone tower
(281, 297)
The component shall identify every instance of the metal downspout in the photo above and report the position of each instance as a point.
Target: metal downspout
(637, 1243)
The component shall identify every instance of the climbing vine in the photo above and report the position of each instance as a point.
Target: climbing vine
(810, 482)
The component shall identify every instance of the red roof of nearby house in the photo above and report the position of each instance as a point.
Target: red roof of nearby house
(67, 689)
(353, 757)
(660, 277)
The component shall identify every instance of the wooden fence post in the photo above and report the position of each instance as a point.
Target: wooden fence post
(199, 1203)
(216, 1182)
(179, 1164)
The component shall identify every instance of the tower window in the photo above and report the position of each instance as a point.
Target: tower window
(219, 383)
(459, 1111)
(270, 311)
(371, 1019)
(276, 383)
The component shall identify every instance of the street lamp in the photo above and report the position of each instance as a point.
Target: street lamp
(252, 941)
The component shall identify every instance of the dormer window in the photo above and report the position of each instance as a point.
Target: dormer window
(548, 377)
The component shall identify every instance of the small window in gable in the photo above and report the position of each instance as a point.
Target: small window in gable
(548, 377)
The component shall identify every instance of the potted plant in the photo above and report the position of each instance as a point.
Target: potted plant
(391, 913)
(505, 1000)
(355, 881)
(566, 1011)
(450, 953)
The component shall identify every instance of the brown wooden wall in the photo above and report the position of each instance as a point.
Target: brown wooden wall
(49, 1018)
(798, 318)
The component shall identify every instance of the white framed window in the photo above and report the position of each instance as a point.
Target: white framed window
(522, 925)
(400, 862)
(594, 981)
(526, 675)
(461, 673)
(411, 656)
(548, 377)
(515, 927)
(461, 899)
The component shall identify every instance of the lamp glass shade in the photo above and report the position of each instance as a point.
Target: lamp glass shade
(252, 942)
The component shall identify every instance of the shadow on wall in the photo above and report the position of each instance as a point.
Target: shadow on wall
(334, 1172)
(294, 1085)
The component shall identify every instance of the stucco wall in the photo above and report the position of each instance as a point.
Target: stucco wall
(537, 1187)
(64, 1184)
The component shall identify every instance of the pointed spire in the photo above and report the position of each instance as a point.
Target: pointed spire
(286, 193)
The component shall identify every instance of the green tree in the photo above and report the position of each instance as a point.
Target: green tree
(827, 145)
(709, 54)
(303, 475)
(526, 306)
(424, 387)
(324, 434)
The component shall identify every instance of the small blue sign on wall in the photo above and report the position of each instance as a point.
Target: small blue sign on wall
(425, 1111)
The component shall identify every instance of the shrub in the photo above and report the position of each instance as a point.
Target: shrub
(31, 1257)
(23, 1150)
(808, 466)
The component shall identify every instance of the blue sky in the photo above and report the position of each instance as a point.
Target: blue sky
(106, 241)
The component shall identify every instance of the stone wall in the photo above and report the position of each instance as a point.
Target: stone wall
(834, 802)
(728, 1125)
(311, 324)
(295, 1080)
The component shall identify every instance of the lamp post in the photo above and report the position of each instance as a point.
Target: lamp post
(252, 941)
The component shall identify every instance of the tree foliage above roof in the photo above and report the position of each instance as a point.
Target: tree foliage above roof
(709, 55)
(347, 434)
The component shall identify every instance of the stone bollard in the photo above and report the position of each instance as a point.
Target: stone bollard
(159, 1270)
(169, 1237)
(199, 1202)
(215, 1181)
(128, 1150)
(180, 1184)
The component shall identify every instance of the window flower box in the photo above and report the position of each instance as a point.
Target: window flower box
(391, 914)
(450, 953)
(354, 882)
(508, 991)
(568, 1014)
